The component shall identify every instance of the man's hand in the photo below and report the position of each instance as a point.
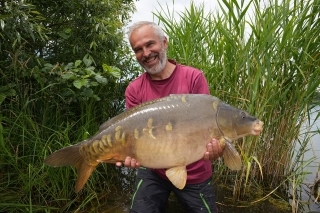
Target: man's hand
(129, 162)
(214, 150)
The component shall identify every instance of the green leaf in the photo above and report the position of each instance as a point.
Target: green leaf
(2, 24)
(93, 83)
(63, 35)
(90, 69)
(248, 171)
(35, 12)
(67, 75)
(260, 167)
(80, 83)
(97, 97)
(68, 30)
(77, 63)
(112, 70)
(105, 68)
(11, 92)
(2, 97)
(116, 72)
(48, 65)
(88, 92)
(69, 66)
(101, 79)
(87, 61)
(4, 92)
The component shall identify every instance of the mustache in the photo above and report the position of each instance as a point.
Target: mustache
(151, 55)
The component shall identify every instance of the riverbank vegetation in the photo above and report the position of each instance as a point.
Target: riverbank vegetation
(64, 66)
(262, 57)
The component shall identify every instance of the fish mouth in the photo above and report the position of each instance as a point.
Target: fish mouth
(257, 128)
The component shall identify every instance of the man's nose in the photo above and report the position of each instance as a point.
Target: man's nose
(146, 52)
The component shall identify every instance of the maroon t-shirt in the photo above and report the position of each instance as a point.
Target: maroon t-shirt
(183, 80)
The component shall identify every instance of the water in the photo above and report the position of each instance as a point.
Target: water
(313, 154)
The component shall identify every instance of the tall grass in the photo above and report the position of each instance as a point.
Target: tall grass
(34, 123)
(264, 59)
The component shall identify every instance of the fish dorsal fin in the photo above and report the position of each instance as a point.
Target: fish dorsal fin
(177, 176)
(231, 157)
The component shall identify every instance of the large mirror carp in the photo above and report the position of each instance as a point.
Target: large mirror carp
(170, 132)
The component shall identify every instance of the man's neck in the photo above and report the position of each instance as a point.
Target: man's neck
(165, 73)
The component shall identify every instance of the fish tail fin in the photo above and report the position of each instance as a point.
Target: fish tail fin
(231, 157)
(84, 171)
(70, 156)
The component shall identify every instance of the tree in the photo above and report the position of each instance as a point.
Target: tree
(78, 45)
(64, 66)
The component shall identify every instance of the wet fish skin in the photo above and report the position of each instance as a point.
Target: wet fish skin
(169, 132)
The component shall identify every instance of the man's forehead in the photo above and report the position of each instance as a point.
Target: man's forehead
(144, 31)
(140, 37)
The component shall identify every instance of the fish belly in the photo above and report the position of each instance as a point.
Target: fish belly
(184, 144)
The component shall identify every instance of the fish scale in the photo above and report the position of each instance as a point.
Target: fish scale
(170, 133)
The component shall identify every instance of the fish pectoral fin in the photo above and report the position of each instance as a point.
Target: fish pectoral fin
(177, 176)
(231, 157)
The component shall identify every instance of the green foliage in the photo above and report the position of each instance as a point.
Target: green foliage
(64, 66)
(266, 62)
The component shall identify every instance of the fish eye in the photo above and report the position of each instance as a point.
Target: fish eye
(243, 115)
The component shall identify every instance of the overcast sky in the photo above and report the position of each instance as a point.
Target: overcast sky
(146, 7)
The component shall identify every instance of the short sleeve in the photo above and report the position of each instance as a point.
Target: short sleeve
(131, 97)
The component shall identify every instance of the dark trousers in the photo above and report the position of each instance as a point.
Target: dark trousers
(152, 193)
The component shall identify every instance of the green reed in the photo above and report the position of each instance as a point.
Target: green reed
(261, 58)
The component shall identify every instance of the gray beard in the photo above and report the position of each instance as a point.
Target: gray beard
(160, 66)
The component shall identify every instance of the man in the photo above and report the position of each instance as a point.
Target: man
(164, 77)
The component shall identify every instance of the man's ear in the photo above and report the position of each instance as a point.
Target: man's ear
(165, 43)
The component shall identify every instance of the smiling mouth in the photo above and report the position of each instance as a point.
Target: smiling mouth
(150, 59)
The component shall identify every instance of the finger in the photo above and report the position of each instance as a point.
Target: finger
(221, 149)
(215, 151)
(137, 165)
(210, 147)
(118, 163)
(216, 146)
(133, 163)
(206, 156)
(127, 162)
